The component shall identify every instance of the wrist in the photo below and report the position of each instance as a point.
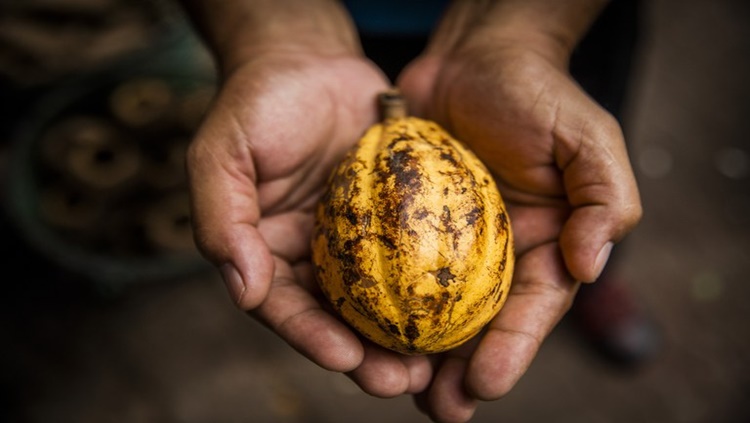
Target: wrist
(550, 28)
(237, 30)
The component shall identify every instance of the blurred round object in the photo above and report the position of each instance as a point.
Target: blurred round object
(707, 285)
(73, 132)
(167, 224)
(142, 102)
(655, 162)
(165, 164)
(732, 162)
(45, 41)
(97, 181)
(104, 163)
(68, 209)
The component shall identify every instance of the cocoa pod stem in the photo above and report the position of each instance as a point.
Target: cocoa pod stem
(392, 104)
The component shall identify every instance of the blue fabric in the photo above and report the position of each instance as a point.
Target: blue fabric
(410, 17)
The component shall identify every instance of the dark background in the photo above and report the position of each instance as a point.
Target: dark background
(176, 350)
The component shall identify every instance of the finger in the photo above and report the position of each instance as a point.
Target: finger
(382, 373)
(386, 374)
(288, 234)
(418, 368)
(224, 212)
(448, 399)
(535, 225)
(601, 187)
(293, 313)
(421, 397)
(304, 273)
(420, 373)
(541, 294)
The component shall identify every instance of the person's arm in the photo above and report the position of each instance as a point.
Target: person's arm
(237, 30)
(238, 33)
(296, 93)
(496, 75)
(515, 34)
(551, 27)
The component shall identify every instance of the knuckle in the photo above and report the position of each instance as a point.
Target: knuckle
(193, 153)
(609, 127)
(630, 213)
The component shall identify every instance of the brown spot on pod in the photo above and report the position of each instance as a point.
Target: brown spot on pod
(444, 276)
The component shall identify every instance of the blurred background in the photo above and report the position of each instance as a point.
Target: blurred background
(109, 315)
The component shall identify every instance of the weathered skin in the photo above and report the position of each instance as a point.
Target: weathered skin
(412, 244)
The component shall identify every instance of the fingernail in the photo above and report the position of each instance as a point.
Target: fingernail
(233, 281)
(601, 258)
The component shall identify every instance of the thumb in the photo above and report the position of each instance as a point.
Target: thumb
(600, 186)
(225, 215)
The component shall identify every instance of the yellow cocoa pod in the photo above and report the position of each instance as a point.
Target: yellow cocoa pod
(412, 243)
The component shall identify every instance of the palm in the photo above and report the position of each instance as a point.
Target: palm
(551, 149)
(297, 116)
(517, 139)
(257, 167)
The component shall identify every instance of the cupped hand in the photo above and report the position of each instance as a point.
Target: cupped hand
(562, 168)
(257, 167)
